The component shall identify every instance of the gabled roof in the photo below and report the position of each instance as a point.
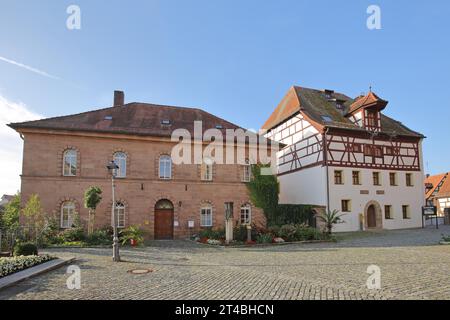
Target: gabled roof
(434, 182)
(444, 190)
(368, 100)
(132, 118)
(321, 111)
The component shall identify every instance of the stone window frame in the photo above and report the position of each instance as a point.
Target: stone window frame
(210, 205)
(246, 176)
(157, 167)
(127, 160)
(126, 212)
(60, 166)
(59, 210)
(249, 206)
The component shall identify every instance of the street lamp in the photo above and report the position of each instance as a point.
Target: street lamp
(112, 168)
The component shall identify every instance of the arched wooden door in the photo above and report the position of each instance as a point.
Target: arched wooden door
(163, 220)
(371, 217)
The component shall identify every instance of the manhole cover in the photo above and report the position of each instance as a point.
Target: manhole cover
(140, 271)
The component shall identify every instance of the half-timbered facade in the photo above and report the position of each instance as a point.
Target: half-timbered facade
(437, 193)
(346, 154)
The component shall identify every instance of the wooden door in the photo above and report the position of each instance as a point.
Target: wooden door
(371, 217)
(163, 224)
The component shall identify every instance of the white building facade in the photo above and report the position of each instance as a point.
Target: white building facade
(345, 154)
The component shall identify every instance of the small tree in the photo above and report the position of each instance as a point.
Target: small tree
(330, 218)
(264, 190)
(11, 215)
(92, 198)
(34, 218)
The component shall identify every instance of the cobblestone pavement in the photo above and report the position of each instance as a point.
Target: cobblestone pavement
(412, 266)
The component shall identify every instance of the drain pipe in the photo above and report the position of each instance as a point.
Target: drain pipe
(325, 156)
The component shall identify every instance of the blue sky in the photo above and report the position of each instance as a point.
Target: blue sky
(235, 59)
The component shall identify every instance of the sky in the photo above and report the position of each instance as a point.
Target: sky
(235, 59)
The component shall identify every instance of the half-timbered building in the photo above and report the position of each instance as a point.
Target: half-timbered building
(345, 154)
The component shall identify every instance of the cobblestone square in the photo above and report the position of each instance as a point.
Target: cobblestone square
(413, 266)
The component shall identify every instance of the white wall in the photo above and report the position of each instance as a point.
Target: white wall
(307, 186)
(396, 196)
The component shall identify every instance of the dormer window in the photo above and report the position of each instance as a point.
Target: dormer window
(166, 122)
(219, 126)
(372, 118)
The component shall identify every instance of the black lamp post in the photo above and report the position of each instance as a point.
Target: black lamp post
(112, 168)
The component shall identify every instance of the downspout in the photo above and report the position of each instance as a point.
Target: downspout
(325, 150)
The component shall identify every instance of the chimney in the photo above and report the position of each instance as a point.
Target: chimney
(119, 98)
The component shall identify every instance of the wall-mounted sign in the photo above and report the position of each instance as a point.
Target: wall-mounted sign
(176, 223)
(191, 223)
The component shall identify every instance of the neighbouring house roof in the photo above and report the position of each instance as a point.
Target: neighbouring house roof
(315, 105)
(6, 198)
(133, 119)
(433, 182)
(444, 190)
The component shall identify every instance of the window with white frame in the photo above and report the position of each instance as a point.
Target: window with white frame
(246, 214)
(165, 167)
(67, 214)
(120, 214)
(247, 171)
(206, 216)
(207, 169)
(120, 158)
(70, 163)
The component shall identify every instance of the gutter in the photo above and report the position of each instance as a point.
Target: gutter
(325, 151)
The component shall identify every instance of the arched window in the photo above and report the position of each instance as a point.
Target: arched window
(67, 214)
(207, 169)
(70, 163)
(120, 158)
(247, 171)
(206, 216)
(246, 214)
(165, 167)
(120, 213)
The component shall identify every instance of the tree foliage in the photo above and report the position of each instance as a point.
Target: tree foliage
(11, 214)
(92, 198)
(34, 218)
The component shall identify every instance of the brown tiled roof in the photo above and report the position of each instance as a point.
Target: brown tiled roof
(444, 190)
(132, 118)
(322, 111)
(434, 182)
(370, 99)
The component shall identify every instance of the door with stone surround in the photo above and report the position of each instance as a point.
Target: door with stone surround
(371, 217)
(164, 220)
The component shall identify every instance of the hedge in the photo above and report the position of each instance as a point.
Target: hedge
(292, 214)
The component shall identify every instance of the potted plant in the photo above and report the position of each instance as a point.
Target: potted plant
(132, 235)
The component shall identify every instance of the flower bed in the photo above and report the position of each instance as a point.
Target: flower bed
(15, 264)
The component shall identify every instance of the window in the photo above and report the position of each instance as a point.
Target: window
(373, 151)
(67, 214)
(376, 178)
(392, 178)
(247, 171)
(207, 169)
(388, 212)
(372, 119)
(165, 167)
(405, 210)
(346, 206)
(206, 216)
(356, 147)
(120, 158)
(120, 213)
(389, 151)
(70, 163)
(355, 177)
(246, 214)
(338, 177)
(409, 182)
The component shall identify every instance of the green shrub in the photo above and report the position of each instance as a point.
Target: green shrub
(288, 232)
(240, 233)
(15, 264)
(292, 214)
(131, 233)
(210, 233)
(264, 238)
(25, 249)
(296, 232)
(73, 234)
(99, 237)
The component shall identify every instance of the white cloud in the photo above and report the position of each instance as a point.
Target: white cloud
(11, 145)
(24, 66)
